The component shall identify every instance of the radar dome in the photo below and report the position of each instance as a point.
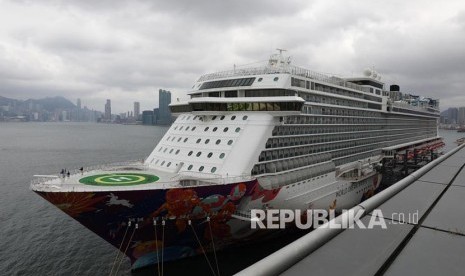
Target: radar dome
(367, 72)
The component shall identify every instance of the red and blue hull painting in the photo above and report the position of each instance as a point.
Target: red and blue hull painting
(162, 218)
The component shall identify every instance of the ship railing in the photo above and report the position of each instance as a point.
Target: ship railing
(206, 179)
(289, 69)
(47, 180)
(412, 107)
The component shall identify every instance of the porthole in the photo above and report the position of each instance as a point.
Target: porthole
(222, 118)
(181, 128)
(158, 160)
(187, 128)
(226, 129)
(206, 128)
(177, 152)
(233, 118)
(222, 156)
(185, 140)
(276, 79)
(238, 129)
(215, 129)
(175, 127)
(214, 118)
(230, 142)
(201, 168)
(218, 141)
(172, 139)
(198, 140)
(210, 154)
(179, 139)
(245, 118)
(207, 141)
(165, 150)
(162, 163)
(193, 128)
(199, 153)
(259, 79)
(167, 139)
(169, 164)
(213, 169)
(159, 149)
(190, 153)
(171, 151)
(190, 167)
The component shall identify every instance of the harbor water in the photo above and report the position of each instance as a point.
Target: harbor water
(38, 239)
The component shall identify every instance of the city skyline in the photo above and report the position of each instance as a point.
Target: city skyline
(124, 51)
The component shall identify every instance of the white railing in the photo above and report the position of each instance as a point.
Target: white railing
(282, 70)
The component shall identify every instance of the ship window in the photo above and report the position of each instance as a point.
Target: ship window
(206, 128)
(218, 141)
(207, 141)
(210, 154)
(187, 128)
(199, 153)
(201, 168)
(238, 129)
(225, 129)
(215, 129)
(190, 167)
(169, 164)
(198, 140)
(222, 156)
(245, 118)
(175, 127)
(213, 118)
(276, 79)
(222, 118)
(193, 128)
(213, 169)
(171, 151)
(158, 160)
(260, 79)
(167, 139)
(162, 163)
(165, 149)
(159, 149)
(230, 142)
(181, 128)
(190, 153)
(177, 152)
(185, 140)
(233, 117)
(179, 139)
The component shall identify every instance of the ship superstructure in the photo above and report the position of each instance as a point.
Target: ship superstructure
(276, 136)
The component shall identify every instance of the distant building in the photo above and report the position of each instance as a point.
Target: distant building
(164, 113)
(461, 116)
(147, 117)
(78, 103)
(107, 115)
(136, 110)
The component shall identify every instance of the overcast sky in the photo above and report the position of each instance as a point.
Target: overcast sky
(127, 50)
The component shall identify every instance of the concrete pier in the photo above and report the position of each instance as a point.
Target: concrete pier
(429, 242)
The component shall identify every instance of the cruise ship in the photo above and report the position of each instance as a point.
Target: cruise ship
(268, 137)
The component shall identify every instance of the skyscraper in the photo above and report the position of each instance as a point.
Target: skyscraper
(461, 116)
(164, 113)
(136, 110)
(107, 116)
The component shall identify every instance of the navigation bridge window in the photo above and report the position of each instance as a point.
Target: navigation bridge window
(261, 106)
(227, 83)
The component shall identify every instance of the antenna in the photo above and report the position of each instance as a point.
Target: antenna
(281, 50)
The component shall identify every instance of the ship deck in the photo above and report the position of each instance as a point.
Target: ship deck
(122, 177)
